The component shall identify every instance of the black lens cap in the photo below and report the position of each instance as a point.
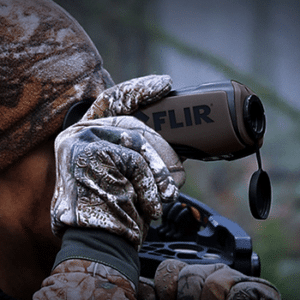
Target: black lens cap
(260, 195)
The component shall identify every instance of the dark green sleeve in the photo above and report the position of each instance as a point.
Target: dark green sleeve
(100, 246)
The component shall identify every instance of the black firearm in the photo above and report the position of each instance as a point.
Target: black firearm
(196, 234)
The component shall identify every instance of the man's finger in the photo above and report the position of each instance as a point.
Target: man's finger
(126, 97)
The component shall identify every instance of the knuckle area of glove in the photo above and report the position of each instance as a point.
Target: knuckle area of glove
(119, 136)
(117, 170)
(131, 153)
(103, 160)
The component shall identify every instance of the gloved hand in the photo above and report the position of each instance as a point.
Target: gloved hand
(112, 175)
(115, 171)
(125, 99)
(176, 280)
(180, 222)
(109, 172)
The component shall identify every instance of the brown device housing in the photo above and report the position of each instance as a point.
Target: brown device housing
(211, 122)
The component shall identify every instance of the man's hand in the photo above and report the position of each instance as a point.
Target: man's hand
(176, 280)
(114, 172)
(125, 98)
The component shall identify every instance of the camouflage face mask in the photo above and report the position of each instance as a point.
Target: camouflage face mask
(47, 63)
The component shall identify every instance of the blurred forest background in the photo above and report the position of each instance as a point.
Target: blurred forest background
(196, 41)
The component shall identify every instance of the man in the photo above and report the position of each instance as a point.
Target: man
(47, 64)
(103, 183)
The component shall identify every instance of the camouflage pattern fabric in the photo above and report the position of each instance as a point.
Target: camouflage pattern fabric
(83, 280)
(175, 280)
(114, 173)
(47, 63)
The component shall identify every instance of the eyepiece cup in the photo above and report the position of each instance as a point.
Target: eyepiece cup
(254, 117)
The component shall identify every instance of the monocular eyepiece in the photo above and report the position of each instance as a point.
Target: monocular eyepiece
(254, 117)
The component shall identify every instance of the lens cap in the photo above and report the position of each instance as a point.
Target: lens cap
(260, 195)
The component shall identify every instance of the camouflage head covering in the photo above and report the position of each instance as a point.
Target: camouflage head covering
(47, 63)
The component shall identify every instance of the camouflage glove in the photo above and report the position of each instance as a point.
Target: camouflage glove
(175, 280)
(112, 175)
(79, 279)
(125, 99)
(113, 172)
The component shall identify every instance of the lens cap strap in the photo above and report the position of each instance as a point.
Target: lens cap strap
(260, 190)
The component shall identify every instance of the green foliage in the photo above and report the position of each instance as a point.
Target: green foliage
(273, 243)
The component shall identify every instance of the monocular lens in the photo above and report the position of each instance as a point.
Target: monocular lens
(254, 117)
